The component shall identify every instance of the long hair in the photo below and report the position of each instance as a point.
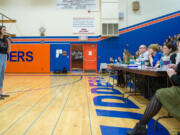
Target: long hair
(154, 47)
(1, 29)
(127, 54)
(4, 37)
(171, 46)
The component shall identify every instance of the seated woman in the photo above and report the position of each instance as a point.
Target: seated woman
(154, 54)
(119, 59)
(175, 57)
(169, 49)
(154, 58)
(168, 97)
(126, 57)
(178, 52)
(111, 60)
(121, 76)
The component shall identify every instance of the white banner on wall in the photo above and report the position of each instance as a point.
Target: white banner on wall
(84, 26)
(77, 4)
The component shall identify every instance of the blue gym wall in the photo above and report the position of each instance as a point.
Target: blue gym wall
(155, 33)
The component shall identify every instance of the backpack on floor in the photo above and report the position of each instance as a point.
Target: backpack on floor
(57, 71)
(64, 70)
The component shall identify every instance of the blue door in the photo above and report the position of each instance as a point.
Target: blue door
(60, 57)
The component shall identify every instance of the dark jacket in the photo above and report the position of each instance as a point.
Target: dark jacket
(176, 78)
(173, 58)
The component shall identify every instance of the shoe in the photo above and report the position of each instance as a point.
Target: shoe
(138, 130)
(1, 98)
(4, 95)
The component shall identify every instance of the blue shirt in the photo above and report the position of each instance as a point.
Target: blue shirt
(157, 58)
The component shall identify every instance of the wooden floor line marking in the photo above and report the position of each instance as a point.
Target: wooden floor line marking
(68, 95)
(16, 102)
(12, 98)
(89, 114)
(45, 108)
(16, 96)
(26, 112)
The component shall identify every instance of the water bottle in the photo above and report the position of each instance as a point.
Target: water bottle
(142, 62)
(131, 61)
(161, 63)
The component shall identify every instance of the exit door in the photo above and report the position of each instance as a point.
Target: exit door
(90, 57)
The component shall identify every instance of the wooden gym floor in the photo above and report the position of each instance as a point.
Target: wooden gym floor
(43, 104)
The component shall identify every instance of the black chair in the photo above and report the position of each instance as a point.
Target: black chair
(132, 79)
(162, 117)
(127, 80)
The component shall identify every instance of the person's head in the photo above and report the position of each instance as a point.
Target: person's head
(178, 36)
(119, 58)
(153, 49)
(169, 48)
(137, 53)
(111, 59)
(126, 55)
(2, 31)
(142, 49)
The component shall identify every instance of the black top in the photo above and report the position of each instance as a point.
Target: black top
(3, 45)
(176, 78)
(173, 58)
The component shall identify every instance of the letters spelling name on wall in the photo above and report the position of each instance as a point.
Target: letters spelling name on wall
(20, 56)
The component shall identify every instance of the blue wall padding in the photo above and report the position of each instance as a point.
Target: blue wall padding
(61, 61)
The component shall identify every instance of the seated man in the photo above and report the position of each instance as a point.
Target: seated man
(143, 53)
(168, 97)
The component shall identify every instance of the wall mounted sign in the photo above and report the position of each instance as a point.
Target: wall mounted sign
(84, 26)
(77, 4)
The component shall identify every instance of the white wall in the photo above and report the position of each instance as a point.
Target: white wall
(32, 14)
(149, 9)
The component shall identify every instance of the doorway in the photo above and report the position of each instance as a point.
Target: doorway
(76, 57)
(84, 57)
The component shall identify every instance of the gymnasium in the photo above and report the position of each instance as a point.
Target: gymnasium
(89, 67)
